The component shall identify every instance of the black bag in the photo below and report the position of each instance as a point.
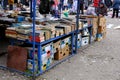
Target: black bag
(45, 6)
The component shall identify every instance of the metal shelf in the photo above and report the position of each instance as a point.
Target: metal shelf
(55, 64)
(39, 44)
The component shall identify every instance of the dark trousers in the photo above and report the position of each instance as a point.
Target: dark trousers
(5, 3)
(115, 11)
(81, 8)
(11, 7)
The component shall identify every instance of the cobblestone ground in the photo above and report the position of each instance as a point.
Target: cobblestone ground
(99, 61)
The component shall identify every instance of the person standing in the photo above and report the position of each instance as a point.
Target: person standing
(26, 3)
(89, 2)
(91, 10)
(74, 6)
(82, 6)
(108, 3)
(116, 5)
(60, 5)
(15, 1)
(101, 26)
(70, 2)
(96, 3)
(101, 11)
(11, 3)
(65, 4)
(4, 4)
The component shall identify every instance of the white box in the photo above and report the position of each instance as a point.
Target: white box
(85, 41)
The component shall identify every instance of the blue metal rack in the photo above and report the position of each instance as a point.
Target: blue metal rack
(39, 45)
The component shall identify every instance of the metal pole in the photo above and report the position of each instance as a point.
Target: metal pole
(33, 20)
(77, 24)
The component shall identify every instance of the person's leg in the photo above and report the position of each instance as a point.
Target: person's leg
(63, 8)
(117, 12)
(11, 7)
(4, 4)
(69, 5)
(81, 8)
(113, 13)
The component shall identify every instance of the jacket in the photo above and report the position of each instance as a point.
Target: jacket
(96, 3)
(108, 3)
(10, 2)
(101, 10)
(116, 4)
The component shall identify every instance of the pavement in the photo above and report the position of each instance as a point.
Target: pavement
(97, 61)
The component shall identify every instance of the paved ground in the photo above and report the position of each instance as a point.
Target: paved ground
(99, 61)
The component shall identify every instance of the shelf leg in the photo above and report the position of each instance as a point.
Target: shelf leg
(90, 35)
(72, 43)
(39, 58)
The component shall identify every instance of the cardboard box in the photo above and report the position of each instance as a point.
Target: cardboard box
(85, 32)
(51, 28)
(44, 61)
(70, 24)
(62, 53)
(80, 25)
(47, 33)
(85, 25)
(17, 58)
(67, 41)
(67, 29)
(30, 65)
(41, 35)
(93, 38)
(62, 48)
(30, 54)
(79, 40)
(73, 27)
(58, 54)
(44, 66)
(47, 49)
(49, 62)
(85, 41)
(59, 32)
(56, 46)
